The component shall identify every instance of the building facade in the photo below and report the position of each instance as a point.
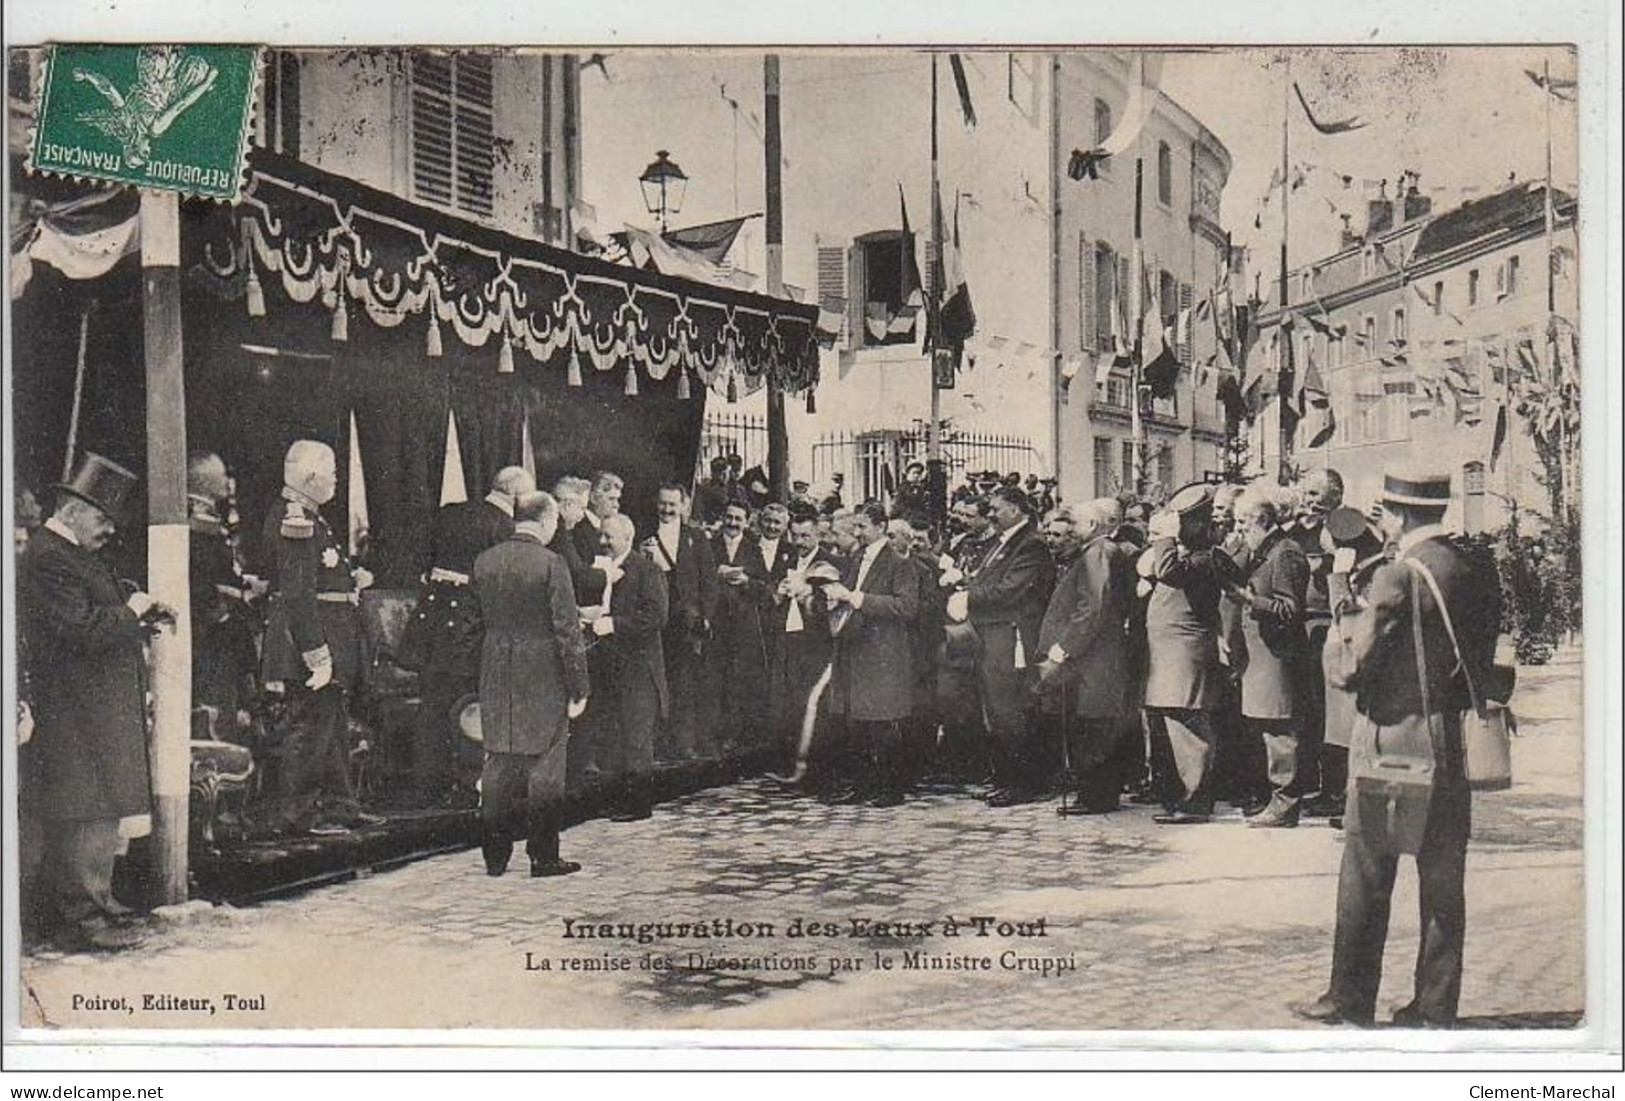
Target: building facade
(1424, 328)
(490, 136)
(1048, 261)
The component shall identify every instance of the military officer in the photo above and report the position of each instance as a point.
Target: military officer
(442, 639)
(313, 644)
(1420, 651)
(224, 618)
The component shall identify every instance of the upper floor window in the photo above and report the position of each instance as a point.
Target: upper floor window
(1400, 331)
(890, 310)
(1506, 279)
(1472, 287)
(1103, 121)
(1165, 174)
(1438, 298)
(453, 144)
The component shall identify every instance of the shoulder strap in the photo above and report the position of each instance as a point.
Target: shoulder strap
(1422, 571)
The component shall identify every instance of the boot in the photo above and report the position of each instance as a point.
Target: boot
(497, 854)
(543, 848)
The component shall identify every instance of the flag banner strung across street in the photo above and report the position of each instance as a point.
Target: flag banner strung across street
(713, 240)
(1142, 97)
(962, 87)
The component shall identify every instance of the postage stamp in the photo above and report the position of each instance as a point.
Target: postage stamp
(174, 118)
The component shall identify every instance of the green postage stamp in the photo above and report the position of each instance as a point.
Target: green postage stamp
(169, 117)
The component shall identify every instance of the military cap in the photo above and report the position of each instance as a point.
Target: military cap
(1192, 499)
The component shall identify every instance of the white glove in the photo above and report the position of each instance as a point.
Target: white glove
(139, 603)
(590, 613)
(1343, 560)
(576, 708)
(603, 625)
(25, 723)
(363, 578)
(951, 576)
(320, 664)
(959, 606)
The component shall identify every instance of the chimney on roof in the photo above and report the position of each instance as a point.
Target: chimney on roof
(1416, 204)
(1379, 213)
(1348, 238)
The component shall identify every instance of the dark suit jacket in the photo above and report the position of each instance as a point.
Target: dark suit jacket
(632, 656)
(443, 634)
(740, 628)
(1088, 619)
(691, 581)
(1011, 590)
(1272, 679)
(88, 676)
(873, 677)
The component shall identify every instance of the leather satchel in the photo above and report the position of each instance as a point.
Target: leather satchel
(1486, 726)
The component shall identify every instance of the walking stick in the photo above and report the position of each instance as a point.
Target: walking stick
(809, 720)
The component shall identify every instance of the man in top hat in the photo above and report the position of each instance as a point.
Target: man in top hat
(442, 639)
(88, 677)
(1183, 680)
(312, 649)
(1420, 650)
(1271, 604)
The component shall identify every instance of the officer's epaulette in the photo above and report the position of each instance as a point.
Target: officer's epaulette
(295, 524)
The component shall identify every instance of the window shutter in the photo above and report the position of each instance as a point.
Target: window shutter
(832, 265)
(1186, 334)
(857, 291)
(453, 142)
(1087, 306)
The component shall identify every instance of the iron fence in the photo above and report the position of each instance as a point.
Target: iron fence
(873, 461)
(741, 434)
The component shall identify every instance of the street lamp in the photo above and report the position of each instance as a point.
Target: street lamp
(663, 185)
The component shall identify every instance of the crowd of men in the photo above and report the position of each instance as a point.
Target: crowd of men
(1228, 646)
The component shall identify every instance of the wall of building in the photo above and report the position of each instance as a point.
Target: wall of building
(1374, 436)
(355, 108)
(1102, 210)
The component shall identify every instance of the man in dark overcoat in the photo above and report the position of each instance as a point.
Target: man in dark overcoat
(88, 678)
(740, 657)
(442, 639)
(1006, 600)
(681, 551)
(628, 666)
(533, 682)
(1272, 680)
(873, 609)
(1083, 646)
(1411, 681)
(1183, 679)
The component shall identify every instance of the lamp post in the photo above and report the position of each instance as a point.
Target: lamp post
(663, 184)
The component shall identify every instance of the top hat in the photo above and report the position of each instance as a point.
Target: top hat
(1428, 489)
(105, 484)
(1192, 499)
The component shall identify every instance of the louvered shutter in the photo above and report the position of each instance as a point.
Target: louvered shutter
(1087, 306)
(1187, 331)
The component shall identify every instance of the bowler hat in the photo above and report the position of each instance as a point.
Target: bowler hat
(1416, 489)
(101, 482)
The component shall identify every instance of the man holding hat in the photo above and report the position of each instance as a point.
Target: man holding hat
(1183, 680)
(313, 642)
(88, 676)
(1420, 649)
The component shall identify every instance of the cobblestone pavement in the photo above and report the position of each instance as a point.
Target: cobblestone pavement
(1144, 927)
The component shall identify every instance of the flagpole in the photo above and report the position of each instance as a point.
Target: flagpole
(778, 435)
(1286, 377)
(1548, 359)
(1137, 421)
(933, 430)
